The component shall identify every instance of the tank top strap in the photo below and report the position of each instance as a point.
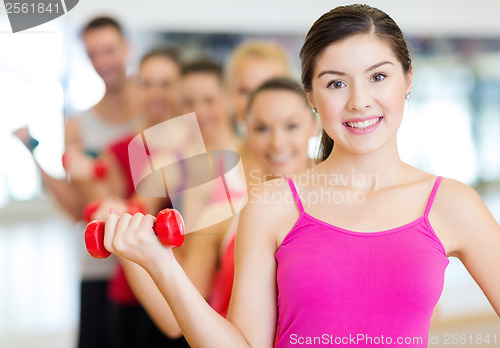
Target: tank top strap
(295, 195)
(432, 196)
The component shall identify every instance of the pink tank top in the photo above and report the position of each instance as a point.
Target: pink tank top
(346, 288)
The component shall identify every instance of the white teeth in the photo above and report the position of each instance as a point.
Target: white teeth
(365, 124)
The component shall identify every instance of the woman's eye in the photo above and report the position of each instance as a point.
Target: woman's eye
(260, 129)
(377, 77)
(336, 84)
(292, 126)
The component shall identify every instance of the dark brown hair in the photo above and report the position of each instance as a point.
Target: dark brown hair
(204, 66)
(278, 84)
(102, 22)
(165, 52)
(342, 23)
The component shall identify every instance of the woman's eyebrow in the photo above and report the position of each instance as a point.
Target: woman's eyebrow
(333, 72)
(373, 67)
(340, 73)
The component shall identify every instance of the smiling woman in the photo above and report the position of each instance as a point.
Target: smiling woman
(341, 85)
(279, 125)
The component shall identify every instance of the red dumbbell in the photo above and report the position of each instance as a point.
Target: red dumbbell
(169, 227)
(100, 168)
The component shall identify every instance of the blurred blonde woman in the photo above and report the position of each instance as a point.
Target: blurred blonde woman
(249, 65)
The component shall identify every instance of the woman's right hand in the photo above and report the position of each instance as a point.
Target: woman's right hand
(133, 238)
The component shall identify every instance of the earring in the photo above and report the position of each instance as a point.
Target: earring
(408, 95)
(315, 112)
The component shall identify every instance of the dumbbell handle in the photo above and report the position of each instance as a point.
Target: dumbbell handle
(169, 227)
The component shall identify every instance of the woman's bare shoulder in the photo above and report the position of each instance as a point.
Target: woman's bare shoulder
(458, 214)
(270, 197)
(456, 195)
(270, 209)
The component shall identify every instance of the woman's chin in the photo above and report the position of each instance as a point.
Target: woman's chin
(277, 170)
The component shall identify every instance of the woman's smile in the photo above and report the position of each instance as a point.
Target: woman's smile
(363, 125)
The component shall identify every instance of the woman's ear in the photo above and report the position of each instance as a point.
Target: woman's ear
(310, 100)
(409, 80)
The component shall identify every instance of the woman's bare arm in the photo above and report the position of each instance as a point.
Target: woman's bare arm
(473, 235)
(199, 264)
